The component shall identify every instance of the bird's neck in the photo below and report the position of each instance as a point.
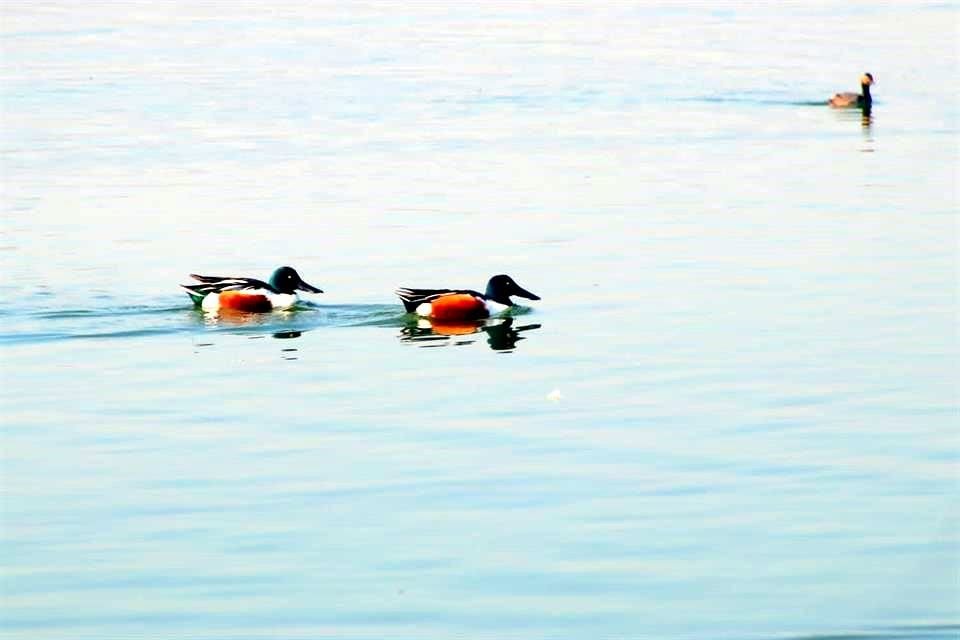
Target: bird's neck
(866, 92)
(492, 294)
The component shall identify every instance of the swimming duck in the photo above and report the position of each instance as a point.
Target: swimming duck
(850, 100)
(248, 294)
(463, 304)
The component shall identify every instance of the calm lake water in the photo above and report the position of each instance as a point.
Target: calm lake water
(733, 414)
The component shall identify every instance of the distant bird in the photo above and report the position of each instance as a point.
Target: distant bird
(248, 294)
(463, 304)
(850, 100)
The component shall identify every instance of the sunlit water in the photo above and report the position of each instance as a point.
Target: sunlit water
(732, 415)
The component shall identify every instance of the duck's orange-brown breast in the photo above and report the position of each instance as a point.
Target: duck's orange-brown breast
(240, 301)
(458, 306)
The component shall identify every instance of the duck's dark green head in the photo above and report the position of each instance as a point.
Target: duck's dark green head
(501, 287)
(287, 280)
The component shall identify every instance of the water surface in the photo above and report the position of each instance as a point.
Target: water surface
(732, 415)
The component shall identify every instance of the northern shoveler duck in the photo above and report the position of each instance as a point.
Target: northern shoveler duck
(850, 100)
(463, 304)
(248, 294)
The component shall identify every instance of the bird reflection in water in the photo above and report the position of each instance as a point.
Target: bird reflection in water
(288, 353)
(501, 334)
(254, 326)
(864, 116)
(866, 125)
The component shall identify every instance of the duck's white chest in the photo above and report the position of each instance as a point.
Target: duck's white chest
(495, 307)
(211, 303)
(282, 300)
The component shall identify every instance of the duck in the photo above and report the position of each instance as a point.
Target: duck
(454, 305)
(850, 100)
(215, 293)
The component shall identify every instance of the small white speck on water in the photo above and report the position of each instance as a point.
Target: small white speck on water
(555, 395)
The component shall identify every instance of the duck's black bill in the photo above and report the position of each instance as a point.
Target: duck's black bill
(523, 293)
(303, 286)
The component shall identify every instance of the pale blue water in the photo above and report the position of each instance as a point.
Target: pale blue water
(732, 415)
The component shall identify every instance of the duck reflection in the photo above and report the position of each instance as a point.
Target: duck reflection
(863, 116)
(288, 353)
(253, 326)
(276, 324)
(502, 334)
(866, 127)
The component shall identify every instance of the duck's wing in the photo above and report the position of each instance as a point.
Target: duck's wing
(217, 284)
(230, 283)
(413, 298)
